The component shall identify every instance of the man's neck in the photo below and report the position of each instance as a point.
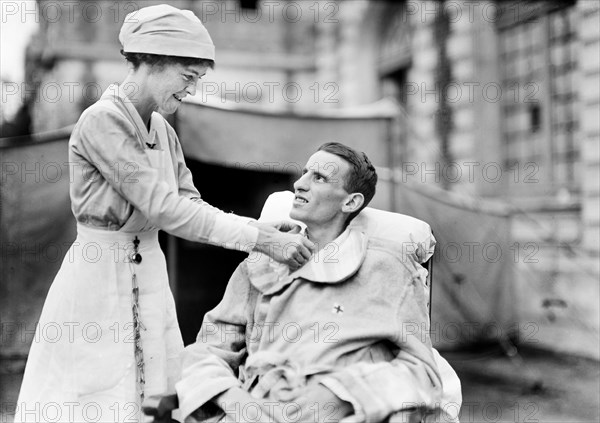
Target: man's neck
(322, 235)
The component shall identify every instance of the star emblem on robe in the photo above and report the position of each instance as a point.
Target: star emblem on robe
(337, 309)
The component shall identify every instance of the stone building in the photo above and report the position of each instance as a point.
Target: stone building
(499, 102)
(502, 101)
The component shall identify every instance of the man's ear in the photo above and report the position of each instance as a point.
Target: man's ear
(353, 202)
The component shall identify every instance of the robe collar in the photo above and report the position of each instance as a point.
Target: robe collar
(334, 263)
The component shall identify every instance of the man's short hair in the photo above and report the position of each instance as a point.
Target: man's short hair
(362, 176)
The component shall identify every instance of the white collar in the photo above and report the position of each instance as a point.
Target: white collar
(334, 263)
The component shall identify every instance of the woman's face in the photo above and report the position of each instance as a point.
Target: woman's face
(169, 85)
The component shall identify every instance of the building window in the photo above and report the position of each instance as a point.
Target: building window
(394, 62)
(395, 50)
(538, 57)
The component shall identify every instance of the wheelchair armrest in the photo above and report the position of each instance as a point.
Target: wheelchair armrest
(160, 407)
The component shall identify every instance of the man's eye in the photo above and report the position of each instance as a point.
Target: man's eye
(320, 178)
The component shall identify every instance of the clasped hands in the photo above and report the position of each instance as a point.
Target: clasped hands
(313, 403)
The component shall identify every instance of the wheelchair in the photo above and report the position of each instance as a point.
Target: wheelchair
(405, 230)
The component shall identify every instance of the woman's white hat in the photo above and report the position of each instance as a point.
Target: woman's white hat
(166, 30)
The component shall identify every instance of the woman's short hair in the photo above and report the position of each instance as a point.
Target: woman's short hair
(160, 61)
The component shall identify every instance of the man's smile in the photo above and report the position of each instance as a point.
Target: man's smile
(298, 199)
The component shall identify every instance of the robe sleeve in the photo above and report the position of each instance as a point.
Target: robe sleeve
(210, 365)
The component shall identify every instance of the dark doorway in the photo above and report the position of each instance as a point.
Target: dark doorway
(203, 270)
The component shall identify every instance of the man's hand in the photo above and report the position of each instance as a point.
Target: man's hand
(241, 407)
(289, 248)
(316, 403)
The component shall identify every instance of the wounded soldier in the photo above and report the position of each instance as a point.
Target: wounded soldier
(343, 338)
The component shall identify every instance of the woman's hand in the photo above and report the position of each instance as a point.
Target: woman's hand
(286, 226)
(289, 248)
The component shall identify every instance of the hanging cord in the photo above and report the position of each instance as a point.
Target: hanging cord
(134, 259)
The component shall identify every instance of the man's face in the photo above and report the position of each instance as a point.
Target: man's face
(320, 192)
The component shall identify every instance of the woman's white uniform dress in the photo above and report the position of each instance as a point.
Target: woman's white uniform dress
(84, 363)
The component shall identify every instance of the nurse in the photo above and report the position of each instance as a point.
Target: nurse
(108, 334)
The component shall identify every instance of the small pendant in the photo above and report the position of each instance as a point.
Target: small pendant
(136, 258)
